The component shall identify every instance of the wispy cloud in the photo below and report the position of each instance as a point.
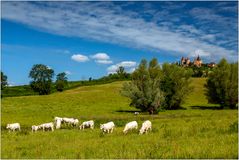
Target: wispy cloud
(79, 58)
(108, 22)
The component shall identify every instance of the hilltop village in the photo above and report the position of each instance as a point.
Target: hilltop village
(197, 62)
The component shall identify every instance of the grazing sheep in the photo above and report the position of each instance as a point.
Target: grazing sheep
(130, 126)
(13, 127)
(71, 121)
(47, 126)
(147, 125)
(58, 121)
(35, 128)
(107, 127)
(87, 124)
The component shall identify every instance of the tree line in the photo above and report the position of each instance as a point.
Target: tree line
(153, 88)
(42, 81)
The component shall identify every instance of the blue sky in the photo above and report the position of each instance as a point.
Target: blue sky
(91, 39)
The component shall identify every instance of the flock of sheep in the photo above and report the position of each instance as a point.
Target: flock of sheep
(106, 128)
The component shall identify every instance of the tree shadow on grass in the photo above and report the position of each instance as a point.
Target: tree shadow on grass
(127, 111)
(207, 107)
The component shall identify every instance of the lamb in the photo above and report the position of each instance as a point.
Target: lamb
(87, 124)
(13, 127)
(107, 127)
(146, 126)
(130, 126)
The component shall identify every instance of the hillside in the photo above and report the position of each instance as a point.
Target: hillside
(192, 133)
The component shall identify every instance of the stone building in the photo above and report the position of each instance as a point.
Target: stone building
(197, 62)
(185, 62)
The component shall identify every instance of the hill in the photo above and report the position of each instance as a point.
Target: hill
(198, 131)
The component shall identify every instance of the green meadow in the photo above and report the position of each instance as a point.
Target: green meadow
(198, 130)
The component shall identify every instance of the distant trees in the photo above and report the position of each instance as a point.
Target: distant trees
(41, 76)
(222, 84)
(3, 80)
(61, 81)
(153, 88)
(121, 72)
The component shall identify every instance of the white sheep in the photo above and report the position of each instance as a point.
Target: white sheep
(146, 126)
(35, 128)
(47, 126)
(58, 121)
(87, 124)
(107, 127)
(71, 121)
(13, 127)
(130, 126)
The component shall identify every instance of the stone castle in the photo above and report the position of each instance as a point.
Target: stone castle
(185, 62)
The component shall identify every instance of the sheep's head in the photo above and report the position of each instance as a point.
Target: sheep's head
(76, 121)
(8, 126)
(141, 131)
(101, 126)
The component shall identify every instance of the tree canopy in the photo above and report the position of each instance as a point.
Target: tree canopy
(153, 89)
(222, 84)
(41, 76)
(144, 89)
(61, 81)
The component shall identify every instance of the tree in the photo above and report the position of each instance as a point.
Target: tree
(3, 80)
(222, 84)
(144, 89)
(175, 85)
(41, 76)
(121, 72)
(61, 81)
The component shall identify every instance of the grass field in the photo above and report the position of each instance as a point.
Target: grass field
(198, 131)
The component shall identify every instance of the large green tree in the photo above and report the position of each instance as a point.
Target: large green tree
(41, 76)
(61, 81)
(175, 85)
(222, 84)
(144, 89)
(3, 80)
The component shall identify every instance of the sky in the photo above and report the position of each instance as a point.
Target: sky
(92, 39)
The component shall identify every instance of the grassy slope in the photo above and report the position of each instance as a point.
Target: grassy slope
(191, 133)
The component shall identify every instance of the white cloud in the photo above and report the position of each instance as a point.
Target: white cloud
(129, 66)
(100, 56)
(79, 58)
(110, 23)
